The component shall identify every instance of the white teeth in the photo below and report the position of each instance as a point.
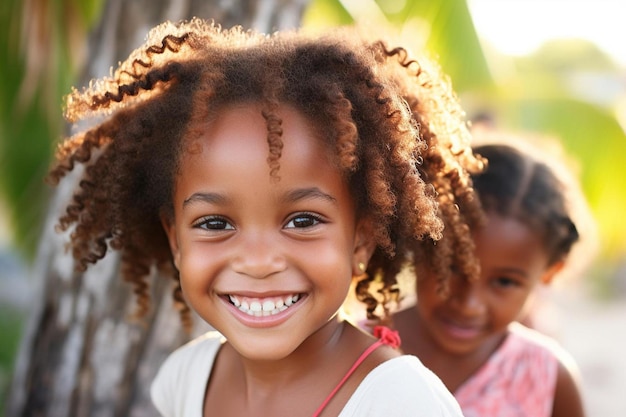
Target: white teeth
(263, 307)
(234, 300)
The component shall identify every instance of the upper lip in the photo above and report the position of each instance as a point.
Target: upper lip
(260, 294)
(474, 324)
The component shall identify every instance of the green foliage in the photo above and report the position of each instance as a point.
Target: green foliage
(442, 29)
(38, 56)
(322, 14)
(23, 156)
(24, 136)
(10, 329)
(567, 55)
(450, 36)
(89, 11)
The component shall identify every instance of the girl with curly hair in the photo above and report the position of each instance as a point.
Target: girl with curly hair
(265, 174)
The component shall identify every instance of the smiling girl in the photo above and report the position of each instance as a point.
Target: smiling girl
(266, 173)
(470, 335)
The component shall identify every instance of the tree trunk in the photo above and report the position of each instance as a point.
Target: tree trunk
(80, 355)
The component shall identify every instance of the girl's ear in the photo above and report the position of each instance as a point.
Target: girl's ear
(552, 271)
(170, 230)
(364, 246)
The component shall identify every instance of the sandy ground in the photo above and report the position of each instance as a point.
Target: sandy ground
(595, 334)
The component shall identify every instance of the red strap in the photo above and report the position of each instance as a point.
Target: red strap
(386, 336)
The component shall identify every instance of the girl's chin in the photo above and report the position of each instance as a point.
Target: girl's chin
(257, 352)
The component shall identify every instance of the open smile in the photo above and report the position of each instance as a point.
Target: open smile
(266, 306)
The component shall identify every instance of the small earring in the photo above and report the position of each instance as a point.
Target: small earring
(362, 267)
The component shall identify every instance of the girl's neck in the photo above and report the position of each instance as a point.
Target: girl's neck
(311, 354)
(303, 379)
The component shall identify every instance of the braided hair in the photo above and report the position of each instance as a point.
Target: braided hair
(516, 185)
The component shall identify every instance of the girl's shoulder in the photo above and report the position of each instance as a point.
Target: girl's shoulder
(184, 359)
(401, 386)
(525, 351)
(531, 341)
(180, 383)
(567, 399)
(507, 383)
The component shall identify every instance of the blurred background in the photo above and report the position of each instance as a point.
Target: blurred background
(553, 68)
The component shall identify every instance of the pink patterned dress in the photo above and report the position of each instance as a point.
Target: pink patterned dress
(518, 380)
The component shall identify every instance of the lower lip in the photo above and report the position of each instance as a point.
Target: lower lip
(459, 332)
(264, 321)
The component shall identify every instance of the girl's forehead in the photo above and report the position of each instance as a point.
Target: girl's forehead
(283, 130)
(234, 159)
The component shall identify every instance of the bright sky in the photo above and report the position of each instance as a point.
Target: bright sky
(517, 27)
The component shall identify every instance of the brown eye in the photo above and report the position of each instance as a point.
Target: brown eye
(214, 223)
(505, 282)
(302, 221)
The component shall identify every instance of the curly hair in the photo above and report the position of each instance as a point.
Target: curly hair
(394, 124)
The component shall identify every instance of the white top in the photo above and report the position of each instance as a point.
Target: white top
(398, 387)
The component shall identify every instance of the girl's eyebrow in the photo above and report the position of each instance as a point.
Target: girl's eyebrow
(308, 193)
(291, 196)
(520, 273)
(211, 198)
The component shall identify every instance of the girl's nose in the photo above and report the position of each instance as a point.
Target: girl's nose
(467, 298)
(258, 256)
